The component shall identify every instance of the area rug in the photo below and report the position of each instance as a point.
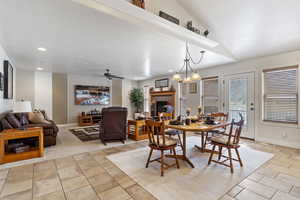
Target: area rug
(201, 183)
(87, 133)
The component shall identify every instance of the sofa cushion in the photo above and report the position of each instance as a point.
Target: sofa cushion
(5, 124)
(1, 128)
(19, 115)
(37, 118)
(13, 121)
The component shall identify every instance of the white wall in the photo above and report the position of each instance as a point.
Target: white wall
(43, 92)
(5, 105)
(128, 85)
(75, 110)
(267, 132)
(25, 83)
(172, 8)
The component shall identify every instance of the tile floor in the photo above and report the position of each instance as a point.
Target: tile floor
(91, 176)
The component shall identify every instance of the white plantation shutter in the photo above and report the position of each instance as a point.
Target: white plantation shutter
(210, 95)
(146, 98)
(281, 95)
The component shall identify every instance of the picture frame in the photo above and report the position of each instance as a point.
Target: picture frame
(1, 81)
(169, 17)
(193, 88)
(161, 83)
(8, 80)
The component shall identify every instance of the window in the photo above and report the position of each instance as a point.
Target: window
(146, 98)
(210, 94)
(281, 94)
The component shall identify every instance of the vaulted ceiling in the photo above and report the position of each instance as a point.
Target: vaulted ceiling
(82, 40)
(250, 28)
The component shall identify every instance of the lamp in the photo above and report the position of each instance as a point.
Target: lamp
(187, 70)
(22, 107)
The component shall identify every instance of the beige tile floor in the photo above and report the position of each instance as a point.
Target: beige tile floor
(91, 175)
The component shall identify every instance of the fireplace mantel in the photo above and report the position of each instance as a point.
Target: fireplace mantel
(159, 98)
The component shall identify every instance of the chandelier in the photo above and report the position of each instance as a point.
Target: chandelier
(187, 70)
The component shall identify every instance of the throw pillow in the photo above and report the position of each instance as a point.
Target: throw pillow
(13, 121)
(37, 118)
(5, 124)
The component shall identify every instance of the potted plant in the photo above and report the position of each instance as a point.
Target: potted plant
(137, 99)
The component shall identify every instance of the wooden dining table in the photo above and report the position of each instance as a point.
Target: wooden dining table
(199, 127)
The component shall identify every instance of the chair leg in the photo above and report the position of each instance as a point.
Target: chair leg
(230, 160)
(162, 163)
(220, 152)
(239, 157)
(211, 154)
(180, 142)
(149, 157)
(177, 163)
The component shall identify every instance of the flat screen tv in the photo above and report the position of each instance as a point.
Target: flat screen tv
(92, 95)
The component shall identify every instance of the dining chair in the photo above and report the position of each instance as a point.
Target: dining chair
(229, 141)
(158, 141)
(219, 116)
(171, 132)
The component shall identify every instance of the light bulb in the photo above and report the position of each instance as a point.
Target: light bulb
(187, 79)
(177, 77)
(195, 76)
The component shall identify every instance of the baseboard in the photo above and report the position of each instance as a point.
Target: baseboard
(278, 142)
(67, 125)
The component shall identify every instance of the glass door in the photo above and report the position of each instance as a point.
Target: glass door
(239, 99)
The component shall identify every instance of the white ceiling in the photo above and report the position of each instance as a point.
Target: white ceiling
(250, 28)
(82, 40)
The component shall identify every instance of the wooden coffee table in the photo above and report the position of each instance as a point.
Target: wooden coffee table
(13, 134)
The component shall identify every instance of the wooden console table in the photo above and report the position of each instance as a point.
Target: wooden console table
(89, 120)
(13, 134)
(137, 130)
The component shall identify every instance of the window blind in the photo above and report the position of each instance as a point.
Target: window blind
(210, 97)
(281, 95)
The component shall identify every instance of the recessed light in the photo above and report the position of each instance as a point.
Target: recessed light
(42, 49)
(40, 68)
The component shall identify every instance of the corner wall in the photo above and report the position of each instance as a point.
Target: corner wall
(6, 104)
(265, 132)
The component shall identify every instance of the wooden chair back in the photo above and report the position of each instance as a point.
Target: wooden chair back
(220, 116)
(156, 133)
(235, 131)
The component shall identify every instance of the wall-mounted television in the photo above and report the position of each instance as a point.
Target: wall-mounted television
(92, 95)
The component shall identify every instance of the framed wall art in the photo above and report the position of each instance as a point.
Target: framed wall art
(8, 80)
(162, 83)
(1, 81)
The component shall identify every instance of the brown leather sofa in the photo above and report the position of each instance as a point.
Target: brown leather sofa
(11, 120)
(113, 125)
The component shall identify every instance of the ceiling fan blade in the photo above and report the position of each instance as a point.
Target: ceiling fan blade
(118, 77)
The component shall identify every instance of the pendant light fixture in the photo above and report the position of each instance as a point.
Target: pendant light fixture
(186, 72)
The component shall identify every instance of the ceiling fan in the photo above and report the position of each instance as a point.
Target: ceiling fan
(110, 76)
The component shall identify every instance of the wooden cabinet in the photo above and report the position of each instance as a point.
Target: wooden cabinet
(14, 134)
(89, 120)
(137, 130)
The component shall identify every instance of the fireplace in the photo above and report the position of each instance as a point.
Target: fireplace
(160, 106)
(159, 100)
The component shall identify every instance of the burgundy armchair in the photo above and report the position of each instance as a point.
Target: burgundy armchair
(113, 125)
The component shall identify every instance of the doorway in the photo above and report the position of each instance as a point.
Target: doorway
(239, 99)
